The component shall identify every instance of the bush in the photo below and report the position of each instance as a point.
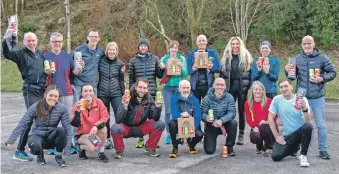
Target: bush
(28, 27)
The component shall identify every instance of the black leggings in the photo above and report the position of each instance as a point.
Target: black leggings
(265, 135)
(173, 129)
(57, 138)
(115, 102)
(236, 92)
(211, 134)
(200, 92)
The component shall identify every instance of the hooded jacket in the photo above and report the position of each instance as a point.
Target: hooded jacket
(42, 127)
(137, 113)
(316, 60)
(223, 107)
(146, 67)
(191, 105)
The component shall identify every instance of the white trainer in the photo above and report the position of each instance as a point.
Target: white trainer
(303, 161)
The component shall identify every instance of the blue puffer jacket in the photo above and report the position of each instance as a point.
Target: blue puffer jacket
(316, 60)
(223, 107)
(270, 79)
(42, 127)
(191, 106)
(210, 73)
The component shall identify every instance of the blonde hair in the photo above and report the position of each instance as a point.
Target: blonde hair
(250, 97)
(112, 44)
(172, 43)
(245, 58)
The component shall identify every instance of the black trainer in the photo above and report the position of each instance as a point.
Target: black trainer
(41, 159)
(82, 154)
(324, 155)
(102, 157)
(60, 161)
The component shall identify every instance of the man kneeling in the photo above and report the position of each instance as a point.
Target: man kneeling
(183, 104)
(297, 126)
(137, 116)
(223, 107)
(90, 116)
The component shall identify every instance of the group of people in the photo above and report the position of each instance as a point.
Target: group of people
(81, 91)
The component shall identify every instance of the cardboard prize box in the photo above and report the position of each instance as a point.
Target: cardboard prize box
(201, 59)
(173, 67)
(186, 127)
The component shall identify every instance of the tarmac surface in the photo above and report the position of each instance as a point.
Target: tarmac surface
(135, 161)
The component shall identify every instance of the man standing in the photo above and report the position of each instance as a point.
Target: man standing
(61, 78)
(91, 54)
(202, 79)
(297, 126)
(312, 60)
(145, 65)
(222, 104)
(184, 104)
(137, 116)
(30, 63)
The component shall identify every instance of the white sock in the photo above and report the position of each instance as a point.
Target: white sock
(101, 149)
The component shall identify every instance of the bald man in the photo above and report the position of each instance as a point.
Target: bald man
(223, 106)
(311, 59)
(202, 79)
(183, 104)
(31, 66)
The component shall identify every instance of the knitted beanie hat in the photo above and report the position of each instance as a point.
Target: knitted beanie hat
(143, 41)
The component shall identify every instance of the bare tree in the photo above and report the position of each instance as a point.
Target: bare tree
(68, 29)
(194, 18)
(245, 11)
(22, 7)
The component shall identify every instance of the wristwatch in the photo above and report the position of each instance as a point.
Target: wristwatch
(306, 110)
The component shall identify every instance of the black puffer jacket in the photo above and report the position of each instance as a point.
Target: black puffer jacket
(147, 67)
(315, 60)
(31, 66)
(245, 77)
(111, 79)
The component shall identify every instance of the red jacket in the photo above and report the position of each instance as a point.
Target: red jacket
(89, 118)
(254, 116)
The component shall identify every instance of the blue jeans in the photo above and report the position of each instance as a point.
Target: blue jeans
(318, 108)
(168, 91)
(77, 93)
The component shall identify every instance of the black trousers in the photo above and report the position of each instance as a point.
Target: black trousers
(236, 91)
(303, 135)
(57, 138)
(211, 134)
(265, 135)
(173, 129)
(115, 103)
(31, 96)
(200, 92)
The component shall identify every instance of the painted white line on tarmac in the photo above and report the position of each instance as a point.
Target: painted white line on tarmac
(192, 162)
(12, 115)
(12, 98)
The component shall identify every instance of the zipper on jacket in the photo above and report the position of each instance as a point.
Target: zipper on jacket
(307, 77)
(109, 79)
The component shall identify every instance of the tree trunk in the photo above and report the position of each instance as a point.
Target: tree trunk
(68, 27)
(22, 7)
(17, 18)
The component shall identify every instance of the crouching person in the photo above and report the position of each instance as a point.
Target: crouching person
(183, 104)
(90, 116)
(223, 106)
(47, 113)
(138, 115)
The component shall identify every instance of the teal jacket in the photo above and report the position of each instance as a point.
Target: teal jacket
(175, 80)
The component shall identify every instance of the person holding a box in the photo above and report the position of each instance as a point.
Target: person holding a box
(266, 69)
(222, 122)
(202, 78)
(236, 70)
(309, 60)
(138, 115)
(184, 105)
(89, 115)
(171, 82)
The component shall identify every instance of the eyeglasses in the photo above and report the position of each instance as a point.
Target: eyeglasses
(93, 37)
(57, 41)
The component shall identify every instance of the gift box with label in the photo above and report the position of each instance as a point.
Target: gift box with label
(186, 127)
(173, 68)
(201, 59)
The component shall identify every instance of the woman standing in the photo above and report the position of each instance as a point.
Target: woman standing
(266, 73)
(236, 70)
(256, 111)
(111, 82)
(171, 83)
(46, 114)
